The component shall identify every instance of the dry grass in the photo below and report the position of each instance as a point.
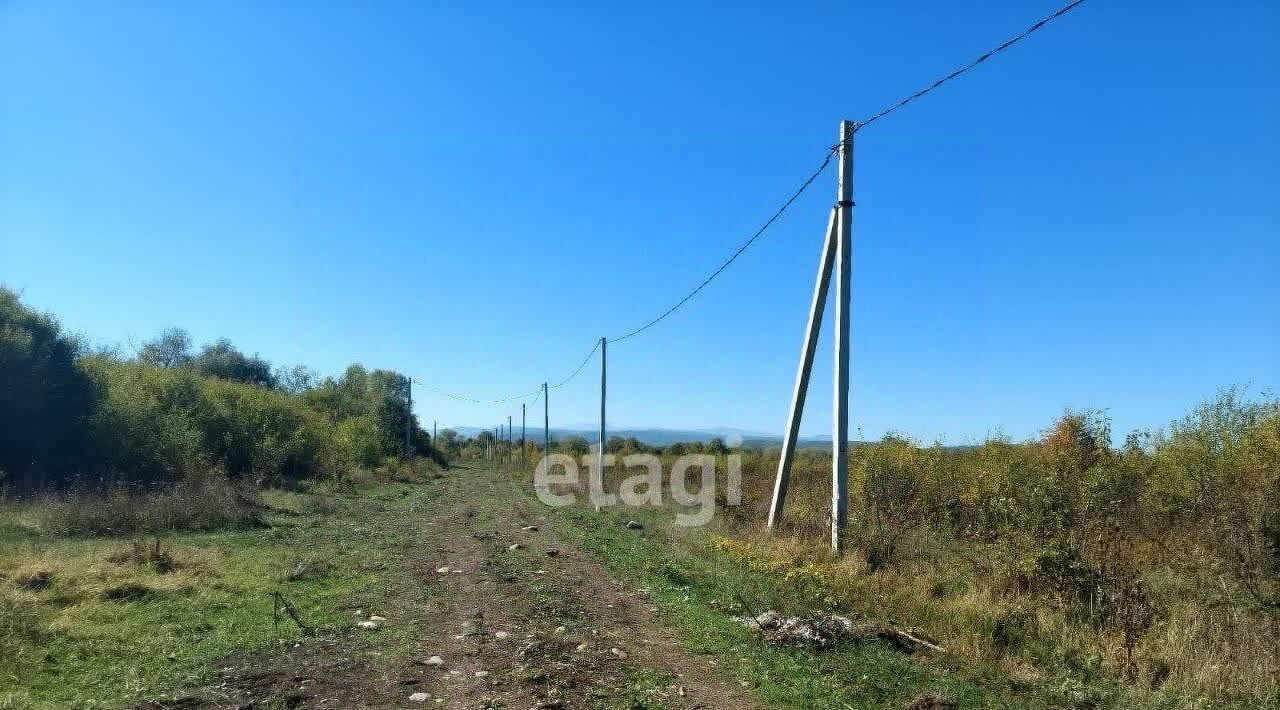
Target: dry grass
(1205, 646)
(1202, 644)
(75, 582)
(211, 503)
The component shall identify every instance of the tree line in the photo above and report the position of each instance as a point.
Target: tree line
(74, 415)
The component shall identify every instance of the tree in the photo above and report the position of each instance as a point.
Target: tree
(294, 380)
(222, 360)
(171, 349)
(45, 397)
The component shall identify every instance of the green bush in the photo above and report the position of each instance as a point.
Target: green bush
(45, 397)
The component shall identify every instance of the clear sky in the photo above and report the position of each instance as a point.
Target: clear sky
(473, 194)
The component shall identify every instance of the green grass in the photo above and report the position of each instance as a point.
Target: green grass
(70, 645)
(698, 592)
(644, 690)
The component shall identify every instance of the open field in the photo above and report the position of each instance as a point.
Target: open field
(113, 625)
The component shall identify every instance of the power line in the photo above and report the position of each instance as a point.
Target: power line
(785, 205)
(536, 394)
(576, 372)
(763, 228)
(477, 400)
(991, 53)
(758, 233)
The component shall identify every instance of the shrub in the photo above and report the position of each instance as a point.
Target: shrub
(209, 503)
(45, 397)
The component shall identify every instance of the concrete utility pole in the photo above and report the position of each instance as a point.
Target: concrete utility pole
(546, 422)
(510, 440)
(408, 418)
(523, 467)
(433, 431)
(604, 344)
(840, 407)
(836, 257)
(807, 348)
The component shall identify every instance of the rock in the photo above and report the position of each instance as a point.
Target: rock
(932, 702)
(482, 674)
(501, 635)
(434, 661)
(419, 697)
(618, 652)
(443, 570)
(34, 582)
(513, 548)
(561, 629)
(370, 625)
(530, 528)
(582, 647)
(634, 525)
(375, 617)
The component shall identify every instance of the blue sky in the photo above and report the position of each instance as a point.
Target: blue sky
(473, 194)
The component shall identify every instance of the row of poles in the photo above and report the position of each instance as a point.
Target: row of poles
(504, 435)
(835, 264)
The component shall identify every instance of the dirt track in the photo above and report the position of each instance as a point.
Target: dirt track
(539, 626)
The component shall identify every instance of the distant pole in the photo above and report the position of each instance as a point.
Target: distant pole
(546, 422)
(522, 433)
(840, 407)
(604, 344)
(408, 417)
(433, 431)
(510, 441)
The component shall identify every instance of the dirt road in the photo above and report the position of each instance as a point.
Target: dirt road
(496, 610)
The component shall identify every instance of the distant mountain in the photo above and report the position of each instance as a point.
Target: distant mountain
(666, 437)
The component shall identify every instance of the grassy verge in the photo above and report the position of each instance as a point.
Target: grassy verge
(700, 586)
(698, 592)
(100, 622)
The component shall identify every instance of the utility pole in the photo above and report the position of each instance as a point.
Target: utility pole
(510, 440)
(840, 407)
(546, 423)
(408, 417)
(433, 431)
(807, 348)
(523, 467)
(604, 344)
(836, 260)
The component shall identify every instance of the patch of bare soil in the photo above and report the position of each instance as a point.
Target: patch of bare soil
(518, 619)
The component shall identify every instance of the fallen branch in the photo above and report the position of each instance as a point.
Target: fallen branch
(283, 604)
